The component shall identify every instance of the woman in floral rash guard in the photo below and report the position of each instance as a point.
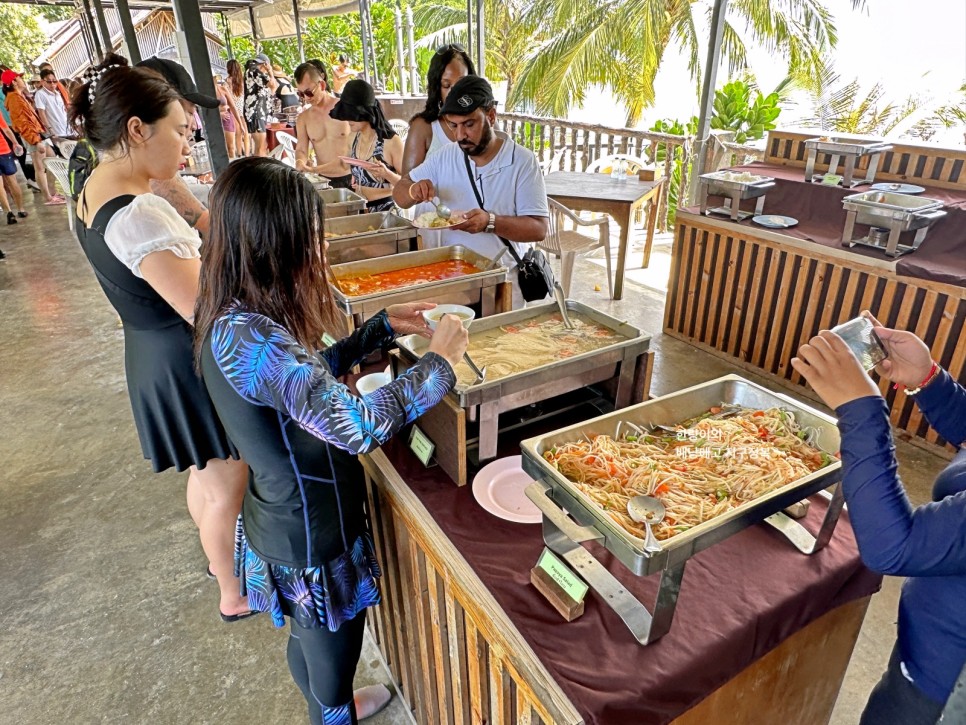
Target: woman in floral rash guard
(304, 549)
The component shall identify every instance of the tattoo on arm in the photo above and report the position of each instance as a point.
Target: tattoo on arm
(177, 195)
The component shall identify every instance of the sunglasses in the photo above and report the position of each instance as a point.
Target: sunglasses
(309, 93)
(450, 46)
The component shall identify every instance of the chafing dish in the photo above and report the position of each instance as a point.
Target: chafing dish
(559, 500)
(888, 216)
(366, 236)
(339, 202)
(485, 400)
(850, 152)
(724, 183)
(476, 288)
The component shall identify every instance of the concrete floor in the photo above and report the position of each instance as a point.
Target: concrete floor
(107, 615)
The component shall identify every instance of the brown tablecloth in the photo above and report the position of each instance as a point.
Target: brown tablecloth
(821, 217)
(739, 599)
(270, 135)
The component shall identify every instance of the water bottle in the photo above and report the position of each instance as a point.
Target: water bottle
(615, 170)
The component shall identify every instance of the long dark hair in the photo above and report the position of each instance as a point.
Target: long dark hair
(264, 252)
(235, 79)
(434, 78)
(120, 94)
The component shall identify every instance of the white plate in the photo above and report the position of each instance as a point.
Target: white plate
(422, 221)
(775, 221)
(498, 488)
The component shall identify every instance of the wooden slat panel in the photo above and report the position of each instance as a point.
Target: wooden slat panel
(393, 569)
(727, 299)
(410, 647)
(425, 649)
(478, 673)
(458, 668)
(502, 694)
(439, 630)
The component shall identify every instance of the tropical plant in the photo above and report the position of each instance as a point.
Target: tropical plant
(512, 33)
(843, 108)
(22, 39)
(735, 111)
(678, 170)
(621, 43)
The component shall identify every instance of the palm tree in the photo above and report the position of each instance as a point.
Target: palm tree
(621, 43)
(842, 107)
(512, 33)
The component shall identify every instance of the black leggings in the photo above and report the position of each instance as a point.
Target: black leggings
(28, 169)
(323, 665)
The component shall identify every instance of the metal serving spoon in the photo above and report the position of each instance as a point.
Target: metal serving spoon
(442, 211)
(647, 510)
(479, 372)
(558, 295)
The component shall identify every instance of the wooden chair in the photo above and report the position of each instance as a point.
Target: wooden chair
(567, 243)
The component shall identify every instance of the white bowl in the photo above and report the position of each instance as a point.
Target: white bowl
(370, 383)
(432, 316)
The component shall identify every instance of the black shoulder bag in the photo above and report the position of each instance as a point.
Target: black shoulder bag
(535, 274)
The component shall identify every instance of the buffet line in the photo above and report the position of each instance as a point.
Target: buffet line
(705, 463)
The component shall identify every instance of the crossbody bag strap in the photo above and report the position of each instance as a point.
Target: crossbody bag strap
(479, 200)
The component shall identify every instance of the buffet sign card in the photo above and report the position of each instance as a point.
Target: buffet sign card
(421, 445)
(559, 584)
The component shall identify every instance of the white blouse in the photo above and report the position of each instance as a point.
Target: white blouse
(146, 225)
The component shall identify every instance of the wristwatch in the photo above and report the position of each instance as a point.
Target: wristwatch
(491, 225)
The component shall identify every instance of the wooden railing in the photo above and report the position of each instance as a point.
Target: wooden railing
(569, 146)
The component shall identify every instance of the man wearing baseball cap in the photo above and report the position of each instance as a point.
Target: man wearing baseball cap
(495, 180)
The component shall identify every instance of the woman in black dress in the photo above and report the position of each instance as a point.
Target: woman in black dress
(304, 547)
(147, 260)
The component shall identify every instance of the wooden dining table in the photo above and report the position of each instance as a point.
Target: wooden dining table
(618, 198)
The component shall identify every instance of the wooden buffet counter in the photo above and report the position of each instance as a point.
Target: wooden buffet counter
(761, 633)
(753, 296)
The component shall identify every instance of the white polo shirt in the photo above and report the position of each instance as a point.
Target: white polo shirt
(510, 184)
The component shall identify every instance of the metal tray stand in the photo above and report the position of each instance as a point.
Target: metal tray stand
(717, 184)
(889, 215)
(340, 202)
(847, 151)
(366, 236)
(559, 500)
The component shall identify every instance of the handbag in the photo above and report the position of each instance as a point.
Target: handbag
(533, 270)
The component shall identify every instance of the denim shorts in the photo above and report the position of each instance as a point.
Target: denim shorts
(8, 166)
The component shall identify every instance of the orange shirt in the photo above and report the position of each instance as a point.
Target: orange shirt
(4, 144)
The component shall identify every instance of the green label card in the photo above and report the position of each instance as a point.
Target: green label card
(563, 575)
(421, 446)
(831, 179)
(328, 340)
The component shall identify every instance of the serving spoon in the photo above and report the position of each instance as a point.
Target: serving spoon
(649, 511)
(442, 211)
(479, 372)
(558, 295)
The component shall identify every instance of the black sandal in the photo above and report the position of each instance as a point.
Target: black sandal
(236, 617)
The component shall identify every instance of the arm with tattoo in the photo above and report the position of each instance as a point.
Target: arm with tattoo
(177, 194)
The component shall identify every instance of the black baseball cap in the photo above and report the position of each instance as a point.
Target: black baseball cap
(468, 94)
(177, 76)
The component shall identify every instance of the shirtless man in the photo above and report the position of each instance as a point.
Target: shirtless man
(329, 138)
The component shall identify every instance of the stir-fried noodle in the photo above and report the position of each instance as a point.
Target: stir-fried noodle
(705, 468)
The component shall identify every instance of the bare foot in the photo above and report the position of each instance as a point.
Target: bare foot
(370, 700)
(235, 605)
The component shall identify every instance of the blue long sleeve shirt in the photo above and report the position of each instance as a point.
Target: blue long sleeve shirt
(926, 544)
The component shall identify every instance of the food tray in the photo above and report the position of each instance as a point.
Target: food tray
(888, 202)
(718, 180)
(671, 410)
(340, 202)
(469, 285)
(843, 146)
(552, 377)
(367, 236)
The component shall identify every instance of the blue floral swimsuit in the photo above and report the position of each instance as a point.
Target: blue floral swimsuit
(303, 547)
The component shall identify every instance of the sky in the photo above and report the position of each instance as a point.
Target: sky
(910, 47)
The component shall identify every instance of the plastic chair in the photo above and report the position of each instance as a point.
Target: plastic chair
(605, 163)
(400, 127)
(287, 140)
(567, 243)
(66, 148)
(58, 167)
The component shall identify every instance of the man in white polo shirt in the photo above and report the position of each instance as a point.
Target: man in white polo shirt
(50, 106)
(510, 200)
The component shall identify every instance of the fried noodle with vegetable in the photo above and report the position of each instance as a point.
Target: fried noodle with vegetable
(704, 469)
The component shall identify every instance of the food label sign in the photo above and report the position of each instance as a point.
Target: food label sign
(575, 588)
(421, 445)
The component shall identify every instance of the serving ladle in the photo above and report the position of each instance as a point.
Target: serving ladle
(478, 371)
(649, 511)
(558, 295)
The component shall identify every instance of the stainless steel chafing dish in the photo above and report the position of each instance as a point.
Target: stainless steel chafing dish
(722, 183)
(366, 236)
(478, 287)
(339, 202)
(889, 215)
(485, 400)
(559, 500)
(849, 151)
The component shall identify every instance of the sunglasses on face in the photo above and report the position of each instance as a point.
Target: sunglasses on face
(309, 93)
(450, 46)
